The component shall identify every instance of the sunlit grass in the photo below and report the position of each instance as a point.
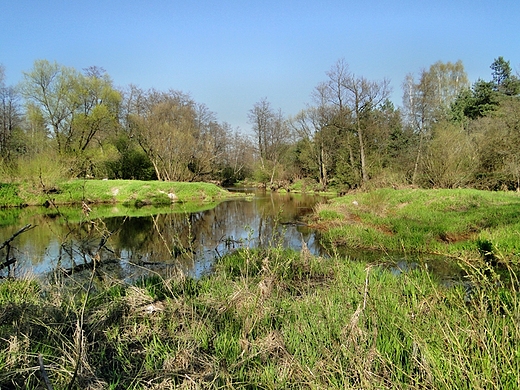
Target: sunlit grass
(413, 220)
(9, 195)
(126, 192)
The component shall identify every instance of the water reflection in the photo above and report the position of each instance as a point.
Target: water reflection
(139, 241)
(130, 245)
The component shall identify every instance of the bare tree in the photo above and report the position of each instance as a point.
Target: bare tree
(354, 97)
(10, 114)
(272, 133)
(315, 126)
(165, 132)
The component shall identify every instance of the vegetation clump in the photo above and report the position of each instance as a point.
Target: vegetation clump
(9, 195)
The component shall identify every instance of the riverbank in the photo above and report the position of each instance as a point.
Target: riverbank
(271, 319)
(274, 318)
(462, 223)
(126, 192)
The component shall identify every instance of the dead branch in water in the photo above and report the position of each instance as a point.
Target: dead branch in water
(22, 230)
(7, 244)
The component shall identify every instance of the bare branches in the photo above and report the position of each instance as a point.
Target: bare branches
(7, 244)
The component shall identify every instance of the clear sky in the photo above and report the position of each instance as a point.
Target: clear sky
(229, 54)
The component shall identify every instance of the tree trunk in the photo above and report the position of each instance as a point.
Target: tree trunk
(364, 175)
(417, 159)
(323, 168)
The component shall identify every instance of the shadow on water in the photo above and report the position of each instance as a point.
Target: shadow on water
(138, 241)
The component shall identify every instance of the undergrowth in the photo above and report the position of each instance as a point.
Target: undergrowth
(266, 318)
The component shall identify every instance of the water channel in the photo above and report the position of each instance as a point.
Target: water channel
(133, 242)
(153, 238)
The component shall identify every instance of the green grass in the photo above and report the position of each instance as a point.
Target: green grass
(451, 222)
(126, 192)
(271, 319)
(9, 196)
(277, 319)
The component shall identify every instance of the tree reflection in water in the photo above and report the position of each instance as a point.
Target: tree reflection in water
(158, 242)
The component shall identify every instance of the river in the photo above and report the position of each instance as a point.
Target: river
(134, 242)
(154, 239)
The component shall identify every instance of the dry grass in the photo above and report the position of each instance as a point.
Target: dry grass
(265, 319)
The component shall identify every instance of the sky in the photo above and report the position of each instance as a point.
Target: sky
(230, 54)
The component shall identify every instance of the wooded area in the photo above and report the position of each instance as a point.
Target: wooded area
(59, 123)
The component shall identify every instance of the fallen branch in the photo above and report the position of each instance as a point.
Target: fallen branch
(96, 259)
(22, 230)
(85, 266)
(43, 373)
(7, 243)
(7, 263)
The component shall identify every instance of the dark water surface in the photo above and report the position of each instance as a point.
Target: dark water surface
(157, 239)
(140, 241)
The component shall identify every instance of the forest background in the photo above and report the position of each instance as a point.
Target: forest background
(60, 122)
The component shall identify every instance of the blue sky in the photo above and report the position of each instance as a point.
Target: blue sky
(231, 54)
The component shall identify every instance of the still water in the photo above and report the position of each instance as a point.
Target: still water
(133, 242)
(151, 239)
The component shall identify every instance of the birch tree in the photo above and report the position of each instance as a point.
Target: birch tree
(428, 99)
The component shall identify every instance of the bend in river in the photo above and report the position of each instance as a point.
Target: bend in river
(138, 241)
(158, 238)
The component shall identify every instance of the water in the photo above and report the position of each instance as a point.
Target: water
(156, 240)
(140, 241)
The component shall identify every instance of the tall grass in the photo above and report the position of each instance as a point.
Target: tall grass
(267, 319)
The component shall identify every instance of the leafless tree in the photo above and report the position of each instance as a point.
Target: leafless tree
(354, 98)
(10, 114)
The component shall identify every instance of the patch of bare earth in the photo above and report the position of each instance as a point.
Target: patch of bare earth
(451, 238)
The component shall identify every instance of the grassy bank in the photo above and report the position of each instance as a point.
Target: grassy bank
(266, 319)
(127, 192)
(463, 223)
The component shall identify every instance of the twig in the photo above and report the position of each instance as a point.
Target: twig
(81, 319)
(80, 324)
(7, 263)
(43, 373)
(366, 289)
(160, 234)
(7, 243)
(22, 230)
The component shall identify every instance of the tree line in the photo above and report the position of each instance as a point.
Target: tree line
(61, 122)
